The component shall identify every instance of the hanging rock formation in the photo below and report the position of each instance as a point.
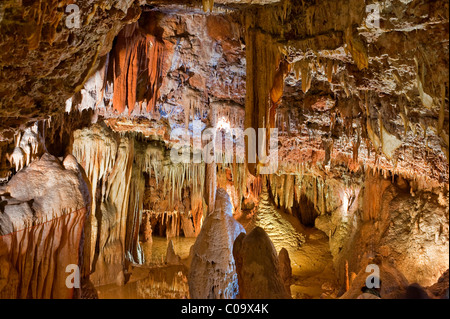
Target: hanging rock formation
(134, 70)
(108, 161)
(44, 50)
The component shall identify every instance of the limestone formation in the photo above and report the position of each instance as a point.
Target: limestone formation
(285, 269)
(171, 257)
(212, 272)
(258, 267)
(47, 203)
(105, 156)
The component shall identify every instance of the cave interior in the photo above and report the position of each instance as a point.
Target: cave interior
(144, 143)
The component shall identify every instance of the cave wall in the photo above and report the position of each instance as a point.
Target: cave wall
(44, 62)
(390, 219)
(362, 114)
(42, 217)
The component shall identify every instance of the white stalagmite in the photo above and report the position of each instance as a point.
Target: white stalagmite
(213, 271)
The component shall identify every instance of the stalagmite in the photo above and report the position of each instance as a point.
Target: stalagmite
(285, 269)
(212, 271)
(171, 257)
(258, 267)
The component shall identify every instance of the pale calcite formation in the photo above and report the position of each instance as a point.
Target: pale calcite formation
(43, 210)
(212, 271)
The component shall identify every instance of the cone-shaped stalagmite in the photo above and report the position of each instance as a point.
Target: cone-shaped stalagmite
(213, 273)
(258, 267)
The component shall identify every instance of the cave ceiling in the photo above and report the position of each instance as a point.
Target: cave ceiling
(359, 91)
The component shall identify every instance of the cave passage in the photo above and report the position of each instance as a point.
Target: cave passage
(228, 149)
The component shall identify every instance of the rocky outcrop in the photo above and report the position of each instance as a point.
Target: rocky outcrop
(257, 267)
(171, 257)
(49, 50)
(285, 269)
(393, 282)
(441, 287)
(391, 217)
(212, 272)
(43, 210)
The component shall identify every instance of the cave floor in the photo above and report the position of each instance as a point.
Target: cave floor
(312, 270)
(312, 267)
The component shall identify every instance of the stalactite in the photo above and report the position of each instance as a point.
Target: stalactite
(405, 122)
(263, 58)
(389, 143)
(135, 69)
(27, 147)
(305, 68)
(322, 197)
(208, 5)
(356, 48)
(289, 191)
(111, 164)
(329, 71)
(276, 92)
(356, 148)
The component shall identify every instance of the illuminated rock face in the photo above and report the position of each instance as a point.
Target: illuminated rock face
(361, 109)
(135, 69)
(258, 267)
(43, 53)
(112, 229)
(43, 211)
(213, 271)
(393, 282)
